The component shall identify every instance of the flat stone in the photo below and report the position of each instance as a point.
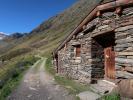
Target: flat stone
(88, 95)
(29, 96)
(125, 88)
(122, 60)
(130, 57)
(50, 97)
(26, 81)
(124, 74)
(126, 40)
(125, 53)
(129, 49)
(103, 27)
(31, 88)
(103, 87)
(122, 34)
(121, 46)
(124, 28)
(84, 73)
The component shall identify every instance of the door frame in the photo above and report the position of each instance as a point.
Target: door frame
(101, 35)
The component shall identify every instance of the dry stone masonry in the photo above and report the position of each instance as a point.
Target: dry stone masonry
(108, 35)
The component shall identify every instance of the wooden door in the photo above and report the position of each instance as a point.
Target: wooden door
(109, 56)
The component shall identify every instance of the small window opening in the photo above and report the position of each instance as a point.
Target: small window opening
(78, 50)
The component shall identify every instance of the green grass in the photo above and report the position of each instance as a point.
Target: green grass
(71, 85)
(112, 96)
(14, 53)
(12, 73)
(77, 98)
(9, 86)
(38, 64)
(49, 67)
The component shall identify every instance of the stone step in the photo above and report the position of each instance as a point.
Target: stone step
(88, 95)
(103, 87)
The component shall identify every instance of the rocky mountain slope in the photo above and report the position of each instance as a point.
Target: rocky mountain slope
(47, 36)
(18, 51)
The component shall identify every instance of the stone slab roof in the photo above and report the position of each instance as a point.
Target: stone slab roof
(101, 5)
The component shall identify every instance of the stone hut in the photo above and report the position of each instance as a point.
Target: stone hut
(101, 46)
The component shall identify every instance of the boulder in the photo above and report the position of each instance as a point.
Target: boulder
(125, 88)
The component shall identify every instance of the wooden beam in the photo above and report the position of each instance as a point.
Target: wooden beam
(114, 4)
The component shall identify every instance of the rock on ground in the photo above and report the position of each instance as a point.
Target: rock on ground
(88, 95)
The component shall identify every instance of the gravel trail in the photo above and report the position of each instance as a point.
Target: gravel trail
(37, 84)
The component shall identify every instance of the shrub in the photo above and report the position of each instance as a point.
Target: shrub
(49, 66)
(15, 53)
(11, 74)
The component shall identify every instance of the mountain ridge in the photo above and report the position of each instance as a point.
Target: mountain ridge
(2, 35)
(49, 34)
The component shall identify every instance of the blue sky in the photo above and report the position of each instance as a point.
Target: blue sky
(25, 15)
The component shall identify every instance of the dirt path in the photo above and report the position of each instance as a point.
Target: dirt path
(38, 85)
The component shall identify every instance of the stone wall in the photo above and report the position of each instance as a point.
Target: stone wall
(124, 50)
(124, 45)
(90, 64)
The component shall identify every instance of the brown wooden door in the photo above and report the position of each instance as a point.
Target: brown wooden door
(109, 56)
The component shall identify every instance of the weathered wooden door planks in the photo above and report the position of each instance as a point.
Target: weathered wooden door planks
(109, 56)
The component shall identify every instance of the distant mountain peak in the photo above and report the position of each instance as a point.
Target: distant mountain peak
(2, 35)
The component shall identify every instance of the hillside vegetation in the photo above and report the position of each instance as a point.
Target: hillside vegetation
(50, 33)
(18, 51)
